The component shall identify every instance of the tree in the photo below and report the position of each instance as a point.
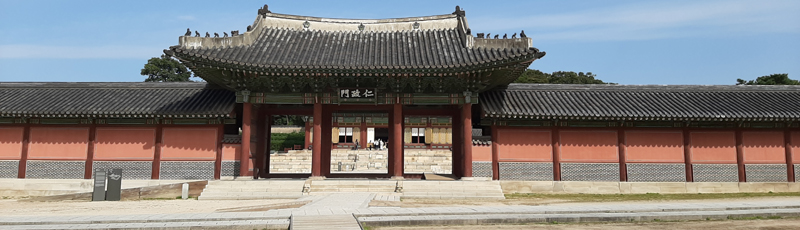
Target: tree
(558, 77)
(165, 69)
(773, 79)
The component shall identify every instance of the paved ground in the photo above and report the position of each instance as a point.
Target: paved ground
(344, 209)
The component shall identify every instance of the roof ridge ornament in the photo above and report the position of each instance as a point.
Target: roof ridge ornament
(459, 12)
(416, 25)
(306, 24)
(522, 34)
(264, 10)
(361, 27)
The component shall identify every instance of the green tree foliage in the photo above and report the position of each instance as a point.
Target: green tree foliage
(558, 77)
(165, 69)
(291, 120)
(773, 79)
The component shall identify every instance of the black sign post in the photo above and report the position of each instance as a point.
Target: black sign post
(114, 185)
(99, 192)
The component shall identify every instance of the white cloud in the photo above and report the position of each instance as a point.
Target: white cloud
(78, 52)
(656, 20)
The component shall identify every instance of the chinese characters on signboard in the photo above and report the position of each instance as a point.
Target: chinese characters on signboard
(356, 93)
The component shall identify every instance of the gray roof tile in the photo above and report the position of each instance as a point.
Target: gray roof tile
(99, 99)
(643, 102)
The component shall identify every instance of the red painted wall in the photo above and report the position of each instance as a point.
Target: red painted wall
(48, 143)
(589, 146)
(231, 152)
(125, 144)
(763, 147)
(189, 144)
(11, 143)
(796, 149)
(653, 146)
(713, 147)
(481, 153)
(524, 145)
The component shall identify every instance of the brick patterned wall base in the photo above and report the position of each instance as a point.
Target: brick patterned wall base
(230, 168)
(9, 169)
(765, 172)
(526, 171)
(649, 172)
(130, 169)
(589, 171)
(187, 170)
(482, 169)
(55, 169)
(796, 172)
(715, 172)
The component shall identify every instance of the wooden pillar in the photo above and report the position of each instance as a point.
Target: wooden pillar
(307, 129)
(244, 158)
(495, 154)
(556, 138)
(623, 167)
(261, 125)
(23, 160)
(157, 152)
(458, 159)
(218, 157)
(267, 142)
(327, 143)
(316, 149)
(687, 155)
(363, 134)
(740, 156)
(396, 141)
(87, 174)
(787, 138)
(466, 120)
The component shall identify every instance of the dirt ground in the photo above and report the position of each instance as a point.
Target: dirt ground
(68, 208)
(791, 223)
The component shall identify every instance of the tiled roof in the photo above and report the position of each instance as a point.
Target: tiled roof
(232, 139)
(123, 99)
(643, 102)
(310, 49)
(481, 140)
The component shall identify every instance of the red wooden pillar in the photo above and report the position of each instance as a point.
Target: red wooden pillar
(267, 142)
(157, 152)
(396, 141)
(458, 159)
(307, 127)
(623, 167)
(687, 155)
(218, 157)
(466, 120)
(556, 138)
(23, 160)
(87, 174)
(740, 156)
(787, 138)
(327, 136)
(316, 149)
(495, 155)
(244, 158)
(363, 134)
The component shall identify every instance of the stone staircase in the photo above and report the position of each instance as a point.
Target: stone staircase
(321, 187)
(489, 190)
(252, 190)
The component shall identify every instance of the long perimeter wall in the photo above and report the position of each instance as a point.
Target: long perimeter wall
(639, 155)
(143, 152)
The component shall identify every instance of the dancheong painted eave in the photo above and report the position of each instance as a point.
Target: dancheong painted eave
(643, 102)
(279, 43)
(115, 99)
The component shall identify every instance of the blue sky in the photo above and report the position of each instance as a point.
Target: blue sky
(628, 42)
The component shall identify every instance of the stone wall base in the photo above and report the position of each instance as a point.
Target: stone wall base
(595, 187)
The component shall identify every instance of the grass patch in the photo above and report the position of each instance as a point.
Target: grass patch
(279, 141)
(647, 196)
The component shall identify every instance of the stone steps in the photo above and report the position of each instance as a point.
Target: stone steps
(253, 190)
(453, 190)
(334, 186)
